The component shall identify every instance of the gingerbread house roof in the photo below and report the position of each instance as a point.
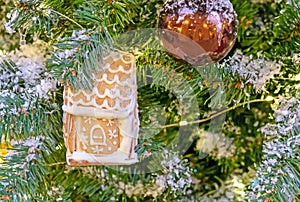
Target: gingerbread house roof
(114, 93)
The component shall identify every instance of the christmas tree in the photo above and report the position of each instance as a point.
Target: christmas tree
(219, 128)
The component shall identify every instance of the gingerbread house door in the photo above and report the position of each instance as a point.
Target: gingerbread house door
(97, 136)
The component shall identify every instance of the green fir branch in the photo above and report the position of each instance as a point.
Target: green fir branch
(22, 113)
(76, 57)
(117, 16)
(286, 30)
(46, 19)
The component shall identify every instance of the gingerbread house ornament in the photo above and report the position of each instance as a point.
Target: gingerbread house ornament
(101, 125)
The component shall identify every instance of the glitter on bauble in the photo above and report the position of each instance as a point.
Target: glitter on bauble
(198, 31)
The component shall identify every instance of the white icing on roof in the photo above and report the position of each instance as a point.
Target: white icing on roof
(114, 93)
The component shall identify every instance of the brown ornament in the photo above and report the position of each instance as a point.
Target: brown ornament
(198, 31)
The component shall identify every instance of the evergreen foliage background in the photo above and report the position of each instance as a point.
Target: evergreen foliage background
(257, 154)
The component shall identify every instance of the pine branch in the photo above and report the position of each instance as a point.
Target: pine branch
(25, 172)
(286, 30)
(20, 167)
(148, 14)
(30, 15)
(246, 13)
(48, 18)
(117, 16)
(215, 87)
(278, 176)
(22, 112)
(287, 24)
(78, 56)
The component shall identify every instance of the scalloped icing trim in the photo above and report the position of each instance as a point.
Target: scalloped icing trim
(110, 93)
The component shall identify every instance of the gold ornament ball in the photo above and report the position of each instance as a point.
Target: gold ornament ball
(198, 31)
